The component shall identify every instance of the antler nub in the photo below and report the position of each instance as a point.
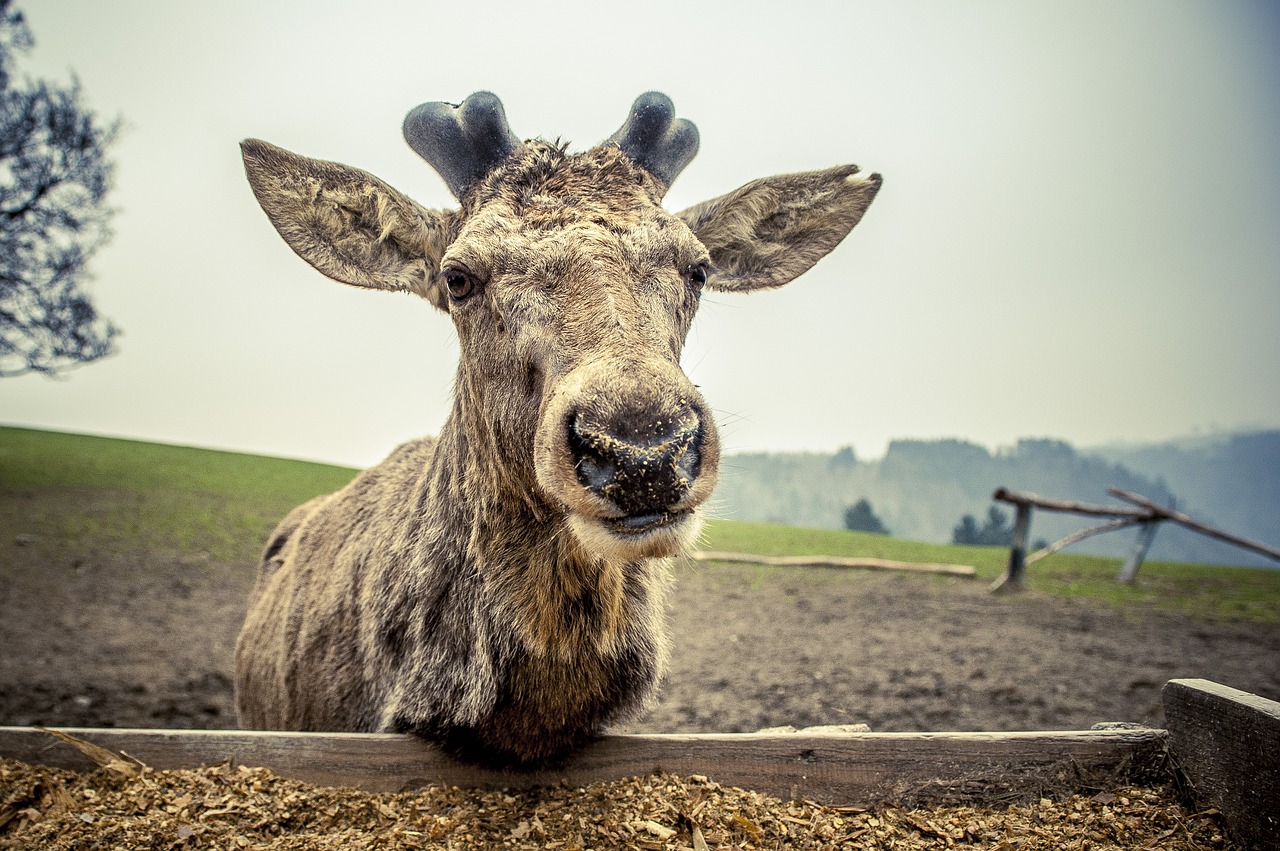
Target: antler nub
(463, 142)
(655, 139)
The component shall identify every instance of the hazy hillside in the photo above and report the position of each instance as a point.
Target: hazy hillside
(1234, 478)
(921, 489)
(1238, 474)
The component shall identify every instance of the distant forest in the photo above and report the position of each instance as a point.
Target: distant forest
(922, 489)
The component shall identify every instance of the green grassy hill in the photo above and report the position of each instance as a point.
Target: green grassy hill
(120, 496)
(117, 497)
(1205, 590)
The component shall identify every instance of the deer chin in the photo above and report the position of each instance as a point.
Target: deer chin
(661, 534)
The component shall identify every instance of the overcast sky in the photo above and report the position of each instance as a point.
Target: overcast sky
(1078, 234)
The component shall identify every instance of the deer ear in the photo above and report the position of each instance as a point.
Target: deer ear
(768, 232)
(348, 224)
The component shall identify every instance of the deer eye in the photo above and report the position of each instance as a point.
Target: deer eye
(696, 275)
(460, 284)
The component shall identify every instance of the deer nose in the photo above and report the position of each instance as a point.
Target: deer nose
(640, 470)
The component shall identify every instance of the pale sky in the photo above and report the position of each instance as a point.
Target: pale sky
(1078, 235)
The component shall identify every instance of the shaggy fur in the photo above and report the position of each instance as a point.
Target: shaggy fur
(500, 589)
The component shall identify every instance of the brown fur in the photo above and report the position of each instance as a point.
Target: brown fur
(500, 589)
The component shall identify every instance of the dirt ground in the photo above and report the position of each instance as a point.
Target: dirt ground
(93, 641)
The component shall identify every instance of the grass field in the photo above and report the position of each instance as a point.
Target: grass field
(1206, 590)
(117, 496)
(123, 496)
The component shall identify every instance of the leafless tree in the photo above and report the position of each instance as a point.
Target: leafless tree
(54, 179)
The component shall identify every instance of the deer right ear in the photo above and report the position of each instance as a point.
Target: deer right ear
(348, 224)
(770, 231)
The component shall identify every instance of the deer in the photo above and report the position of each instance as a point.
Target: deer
(500, 589)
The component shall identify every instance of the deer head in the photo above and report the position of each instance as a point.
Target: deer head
(572, 291)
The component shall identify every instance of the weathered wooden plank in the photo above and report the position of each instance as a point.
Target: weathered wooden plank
(1227, 743)
(835, 561)
(833, 768)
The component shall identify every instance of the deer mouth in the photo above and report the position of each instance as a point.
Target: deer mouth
(650, 534)
(639, 524)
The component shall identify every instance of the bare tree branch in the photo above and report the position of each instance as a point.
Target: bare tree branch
(54, 179)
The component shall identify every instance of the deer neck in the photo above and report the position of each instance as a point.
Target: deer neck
(561, 599)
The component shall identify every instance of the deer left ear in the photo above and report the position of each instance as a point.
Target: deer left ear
(770, 231)
(348, 224)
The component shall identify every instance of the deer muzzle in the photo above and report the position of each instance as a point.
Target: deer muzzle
(643, 475)
(632, 454)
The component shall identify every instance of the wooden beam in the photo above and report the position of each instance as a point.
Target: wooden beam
(1227, 744)
(1109, 526)
(831, 768)
(834, 561)
(1016, 498)
(1203, 528)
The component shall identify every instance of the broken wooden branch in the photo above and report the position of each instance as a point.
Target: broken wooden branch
(835, 561)
(1074, 537)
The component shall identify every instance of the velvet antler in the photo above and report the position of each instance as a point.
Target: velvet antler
(655, 139)
(462, 142)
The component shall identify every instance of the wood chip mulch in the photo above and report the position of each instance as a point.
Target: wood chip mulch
(125, 805)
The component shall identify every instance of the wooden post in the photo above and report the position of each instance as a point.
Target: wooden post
(1146, 534)
(1227, 744)
(1012, 579)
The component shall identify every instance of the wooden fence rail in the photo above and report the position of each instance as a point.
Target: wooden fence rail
(1147, 515)
(1226, 744)
(1223, 742)
(830, 768)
